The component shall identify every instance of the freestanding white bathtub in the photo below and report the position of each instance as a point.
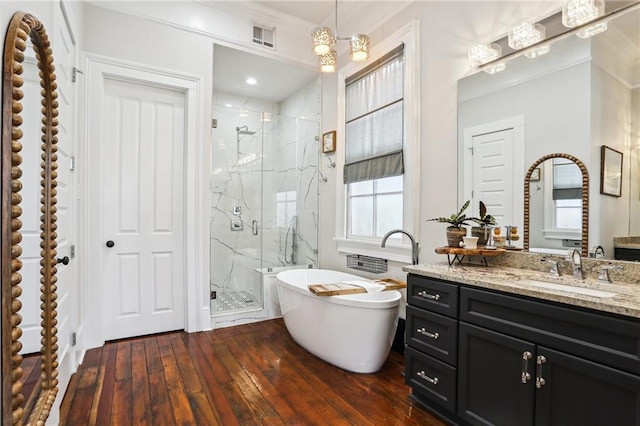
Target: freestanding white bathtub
(353, 332)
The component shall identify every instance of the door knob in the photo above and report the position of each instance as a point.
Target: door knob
(64, 260)
(110, 244)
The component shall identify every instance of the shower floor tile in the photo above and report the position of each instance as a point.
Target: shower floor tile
(234, 300)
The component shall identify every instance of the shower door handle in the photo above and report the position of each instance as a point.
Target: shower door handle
(254, 227)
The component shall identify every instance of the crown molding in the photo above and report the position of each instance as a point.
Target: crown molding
(258, 12)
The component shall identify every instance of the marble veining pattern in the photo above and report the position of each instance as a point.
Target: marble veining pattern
(508, 279)
(253, 172)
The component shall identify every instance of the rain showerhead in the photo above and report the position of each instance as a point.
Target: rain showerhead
(244, 130)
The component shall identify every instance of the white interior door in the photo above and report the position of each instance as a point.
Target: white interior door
(65, 49)
(494, 153)
(30, 204)
(493, 174)
(142, 208)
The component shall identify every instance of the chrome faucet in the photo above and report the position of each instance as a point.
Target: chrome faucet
(604, 277)
(595, 251)
(554, 271)
(576, 258)
(414, 244)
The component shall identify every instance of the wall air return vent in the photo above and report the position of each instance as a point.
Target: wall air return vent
(264, 36)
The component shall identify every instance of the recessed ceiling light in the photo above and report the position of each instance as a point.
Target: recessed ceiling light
(251, 81)
(228, 105)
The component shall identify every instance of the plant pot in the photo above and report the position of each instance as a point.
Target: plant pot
(482, 234)
(454, 235)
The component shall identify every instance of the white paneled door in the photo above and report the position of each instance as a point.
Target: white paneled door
(142, 208)
(493, 174)
(30, 218)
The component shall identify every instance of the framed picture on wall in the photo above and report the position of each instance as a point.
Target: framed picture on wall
(610, 171)
(329, 142)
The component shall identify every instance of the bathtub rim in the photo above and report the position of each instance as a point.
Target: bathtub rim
(389, 299)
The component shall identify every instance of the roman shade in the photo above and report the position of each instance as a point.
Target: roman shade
(374, 131)
(567, 180)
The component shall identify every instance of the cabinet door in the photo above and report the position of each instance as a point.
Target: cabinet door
(490, 387)
(580, 392)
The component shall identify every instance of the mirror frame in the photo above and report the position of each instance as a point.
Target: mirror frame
(21, 27)
(585, 199)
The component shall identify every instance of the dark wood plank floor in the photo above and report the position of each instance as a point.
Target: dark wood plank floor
(246, 375)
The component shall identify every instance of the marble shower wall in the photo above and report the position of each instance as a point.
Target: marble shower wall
(272, 176)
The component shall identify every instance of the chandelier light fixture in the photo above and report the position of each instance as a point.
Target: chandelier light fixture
(580, 12)
(324, 39)
(328, 61)
(525, 34)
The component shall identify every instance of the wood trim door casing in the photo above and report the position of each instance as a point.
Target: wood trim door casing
(197, 311)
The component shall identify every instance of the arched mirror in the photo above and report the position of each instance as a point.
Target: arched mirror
(556, 205)
(28, 405)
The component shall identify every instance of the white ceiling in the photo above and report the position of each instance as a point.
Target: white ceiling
(315, 11)
(277, 80)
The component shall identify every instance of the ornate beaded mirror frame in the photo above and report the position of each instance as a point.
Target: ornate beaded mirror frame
(585, 199)
(16, 409)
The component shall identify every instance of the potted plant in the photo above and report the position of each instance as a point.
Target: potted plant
(485, 222)
(455, 230)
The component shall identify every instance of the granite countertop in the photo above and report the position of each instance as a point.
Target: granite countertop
(626, 300)
(632, 242)
(634, 246)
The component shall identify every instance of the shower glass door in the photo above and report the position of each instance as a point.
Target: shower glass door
(264, 202)
(236, 202)
(290, 195)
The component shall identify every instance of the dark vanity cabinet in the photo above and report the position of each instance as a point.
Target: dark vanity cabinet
(523, 361)
(431, 331)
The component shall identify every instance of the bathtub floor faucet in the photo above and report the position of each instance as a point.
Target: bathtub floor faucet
(414, 244)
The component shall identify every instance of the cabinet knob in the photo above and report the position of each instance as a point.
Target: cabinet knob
(110, 244)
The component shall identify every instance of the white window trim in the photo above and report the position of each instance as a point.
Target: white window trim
(410, 36)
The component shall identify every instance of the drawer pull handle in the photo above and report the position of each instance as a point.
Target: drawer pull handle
(429, 296)
(539, 380)
(525, 376)
(427, 378)
(426, 333)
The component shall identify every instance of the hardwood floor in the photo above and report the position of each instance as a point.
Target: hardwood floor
(246, 375)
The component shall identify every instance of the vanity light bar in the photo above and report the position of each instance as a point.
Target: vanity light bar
(558, 32)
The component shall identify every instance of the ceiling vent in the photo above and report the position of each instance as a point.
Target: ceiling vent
(264, 36)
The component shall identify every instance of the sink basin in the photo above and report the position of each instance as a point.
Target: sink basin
(568, 288)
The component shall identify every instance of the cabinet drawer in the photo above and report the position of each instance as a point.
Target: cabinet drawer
(433, 294)
(609, 340)
(433, 334)
(431, 379)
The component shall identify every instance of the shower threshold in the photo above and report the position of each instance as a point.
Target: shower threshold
(234, 301)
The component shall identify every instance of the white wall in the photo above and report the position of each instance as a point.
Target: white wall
(610, 126)
(634, 161)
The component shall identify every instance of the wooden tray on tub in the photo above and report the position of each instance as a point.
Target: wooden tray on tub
(335, 289)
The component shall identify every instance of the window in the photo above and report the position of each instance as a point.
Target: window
(285, 208)
(567, 195)
(374, 136)
(562, 199)
(375, 206)
(378, 190)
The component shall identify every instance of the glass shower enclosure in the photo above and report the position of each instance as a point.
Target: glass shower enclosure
(264, 201)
